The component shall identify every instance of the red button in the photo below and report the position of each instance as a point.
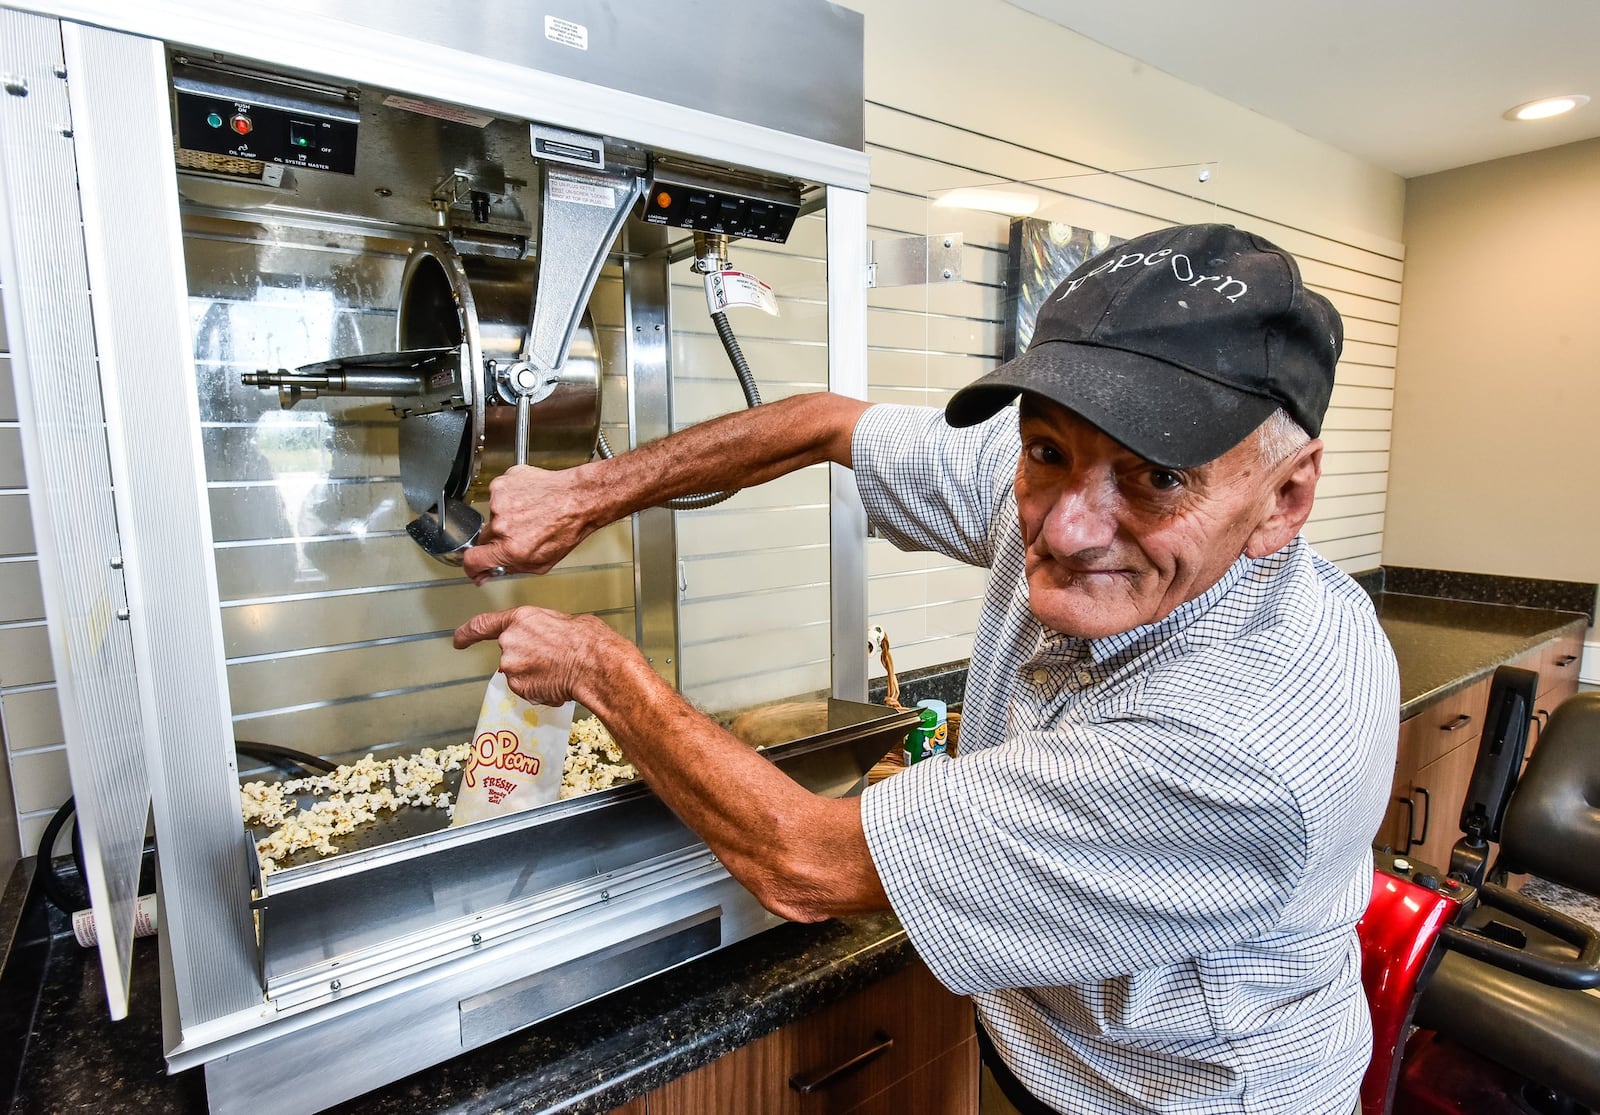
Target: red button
(242, 125)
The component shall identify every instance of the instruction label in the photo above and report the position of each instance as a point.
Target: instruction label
(565, 32)
(582, 193)
(726, 289)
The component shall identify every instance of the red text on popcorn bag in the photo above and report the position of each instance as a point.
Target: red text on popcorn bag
(518, 752)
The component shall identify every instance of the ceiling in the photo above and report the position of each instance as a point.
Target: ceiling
(1414, 86)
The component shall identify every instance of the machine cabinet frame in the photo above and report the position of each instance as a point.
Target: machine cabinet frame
(132, 595)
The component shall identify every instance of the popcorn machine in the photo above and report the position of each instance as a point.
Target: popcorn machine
(285, 286)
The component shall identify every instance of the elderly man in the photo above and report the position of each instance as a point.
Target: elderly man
(1179, 723)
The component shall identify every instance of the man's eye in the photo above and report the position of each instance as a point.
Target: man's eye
(1044, 454)
(1165, 479)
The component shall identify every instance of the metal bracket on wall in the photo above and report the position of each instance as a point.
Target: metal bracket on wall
(914, 260)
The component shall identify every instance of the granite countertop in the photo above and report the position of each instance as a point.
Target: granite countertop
(1446, 645)
(590, 1059)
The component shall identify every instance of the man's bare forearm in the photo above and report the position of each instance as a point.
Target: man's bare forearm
(738, 450)
(803, 855)
(537, 517)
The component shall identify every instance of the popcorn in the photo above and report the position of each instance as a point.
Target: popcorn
(594, 761)
(358, 792)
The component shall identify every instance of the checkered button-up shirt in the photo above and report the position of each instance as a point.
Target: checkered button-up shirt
(1147, 863)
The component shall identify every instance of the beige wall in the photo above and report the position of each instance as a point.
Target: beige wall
(986, 65)
(971, 92)
(1498, 370)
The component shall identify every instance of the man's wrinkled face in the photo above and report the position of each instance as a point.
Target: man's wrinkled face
(1115, 542)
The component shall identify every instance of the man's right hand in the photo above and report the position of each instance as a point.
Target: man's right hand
(536, 518)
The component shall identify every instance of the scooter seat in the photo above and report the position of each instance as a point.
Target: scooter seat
(1548, 1035)
(1543, 1033)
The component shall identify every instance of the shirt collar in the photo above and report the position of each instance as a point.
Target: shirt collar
(1104, 649)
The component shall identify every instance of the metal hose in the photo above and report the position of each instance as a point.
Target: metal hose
(752, 398)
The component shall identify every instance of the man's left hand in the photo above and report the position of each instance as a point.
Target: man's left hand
(548, 657)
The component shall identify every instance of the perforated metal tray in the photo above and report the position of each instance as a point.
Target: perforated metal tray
(414, 872)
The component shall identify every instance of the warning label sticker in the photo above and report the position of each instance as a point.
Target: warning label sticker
(435, 109)
(726, 289)
(582, 193)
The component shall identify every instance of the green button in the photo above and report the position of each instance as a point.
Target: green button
(214, 120)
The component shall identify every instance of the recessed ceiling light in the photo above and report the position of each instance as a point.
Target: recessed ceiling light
(1548, 106)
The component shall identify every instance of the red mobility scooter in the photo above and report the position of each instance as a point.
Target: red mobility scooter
(1480, 996)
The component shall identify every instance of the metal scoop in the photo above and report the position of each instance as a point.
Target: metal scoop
(447, 534)
(446, 530)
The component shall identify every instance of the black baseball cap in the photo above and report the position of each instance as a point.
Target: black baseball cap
(1178, 344)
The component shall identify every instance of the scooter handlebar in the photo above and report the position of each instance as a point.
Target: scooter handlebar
(1578, 974)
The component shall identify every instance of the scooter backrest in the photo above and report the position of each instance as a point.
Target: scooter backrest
(1505, 736)
(1552, 827)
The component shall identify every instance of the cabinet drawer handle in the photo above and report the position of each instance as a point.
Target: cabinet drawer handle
(1566, 660)
(808, 1082)
(1411, 820)
(1427, 815)
(1457, 724)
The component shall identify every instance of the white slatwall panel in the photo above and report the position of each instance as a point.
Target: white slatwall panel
(753, 600)
(21, 600)
(34, 783)
(926, 342)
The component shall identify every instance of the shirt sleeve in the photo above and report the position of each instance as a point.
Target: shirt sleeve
(929, 486)
(1068, 855)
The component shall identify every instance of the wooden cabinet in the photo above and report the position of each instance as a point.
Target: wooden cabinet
(1433, 767)
(1442, 785)
(1438, 748)
(1557, 663)
(903, 1044)
(948, 1085)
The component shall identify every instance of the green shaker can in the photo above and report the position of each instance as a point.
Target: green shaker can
(930, 735)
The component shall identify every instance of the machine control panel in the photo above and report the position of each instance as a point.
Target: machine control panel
(682, 201)
(247, 124)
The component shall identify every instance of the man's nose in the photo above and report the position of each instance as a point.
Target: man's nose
(1083, 517)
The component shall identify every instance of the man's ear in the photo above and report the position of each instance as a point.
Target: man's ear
(1290, 503)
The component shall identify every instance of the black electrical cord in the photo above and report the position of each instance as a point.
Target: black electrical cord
(65, 899)
(54, 889)
(284, 756)
(77, 851)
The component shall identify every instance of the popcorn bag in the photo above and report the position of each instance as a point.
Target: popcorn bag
(518, 752)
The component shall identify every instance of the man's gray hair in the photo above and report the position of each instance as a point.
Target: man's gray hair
(1279, 437)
